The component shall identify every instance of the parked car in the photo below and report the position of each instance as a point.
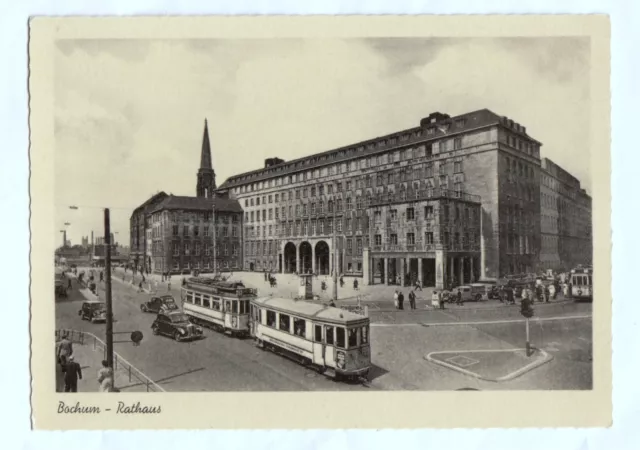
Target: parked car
(93, 311)
(466, 294)
(480, 291)
(175, 324)
(158, 304)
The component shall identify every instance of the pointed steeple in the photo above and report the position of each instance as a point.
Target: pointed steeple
(205, 155)
(206, 183)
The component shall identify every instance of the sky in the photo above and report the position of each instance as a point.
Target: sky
(129, 114)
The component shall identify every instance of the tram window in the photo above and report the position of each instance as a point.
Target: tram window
(259, 315)
(189, 297)
(234, 305)
(329, 331)
(197, 299)
(353, 337)
(285, 323)
(365, 334)
(227, 306)
(340, 337)
(300, 327)
(206, 302)
(215, 305)
(271, 319)
(318, 333)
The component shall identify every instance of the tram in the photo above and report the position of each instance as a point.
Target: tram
(333, 341)
(218, 304)
(581, 282)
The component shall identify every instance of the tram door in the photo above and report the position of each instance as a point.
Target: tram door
(329, 346)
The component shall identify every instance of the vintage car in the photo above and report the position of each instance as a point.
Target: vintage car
(482, 291)
(93, 311)
(158, 304)
(176, 324)
(464, 290)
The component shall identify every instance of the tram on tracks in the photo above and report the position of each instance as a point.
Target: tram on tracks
(331, 340)
(218, 304)
(581, 282)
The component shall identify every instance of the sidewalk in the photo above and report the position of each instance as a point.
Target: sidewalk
(90, 360)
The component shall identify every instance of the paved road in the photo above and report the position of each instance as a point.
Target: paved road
(400, 340)
(216, 363)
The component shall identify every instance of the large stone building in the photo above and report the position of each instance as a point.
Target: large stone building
(175, 234)
(452, 200)
(565, 219)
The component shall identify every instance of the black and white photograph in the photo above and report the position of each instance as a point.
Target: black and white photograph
(357, 215)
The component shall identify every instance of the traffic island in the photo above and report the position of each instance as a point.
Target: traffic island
(491, 365)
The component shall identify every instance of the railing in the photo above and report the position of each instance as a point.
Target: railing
(411, 195)
(84, 337)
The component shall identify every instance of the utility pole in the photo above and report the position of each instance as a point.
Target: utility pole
(335, 262)
(107, 263)
(215, 253)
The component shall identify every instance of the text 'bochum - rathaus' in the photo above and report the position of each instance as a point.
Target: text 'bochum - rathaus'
(452, 201)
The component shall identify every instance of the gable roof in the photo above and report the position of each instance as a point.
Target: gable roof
(174, 202)
(153, 199)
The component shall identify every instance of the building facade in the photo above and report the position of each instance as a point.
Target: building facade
(175, 234)
(565, 220)
(400, 205)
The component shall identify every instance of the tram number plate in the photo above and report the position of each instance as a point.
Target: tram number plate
(284, 345)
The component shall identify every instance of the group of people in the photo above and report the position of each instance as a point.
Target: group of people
(72, 372)
(398, 299)
(270, 279)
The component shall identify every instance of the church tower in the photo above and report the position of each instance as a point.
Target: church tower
(206, 176)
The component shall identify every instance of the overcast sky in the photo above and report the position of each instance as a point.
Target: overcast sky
(129, 115)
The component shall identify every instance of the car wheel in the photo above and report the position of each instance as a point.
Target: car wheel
(478, 297)
(143, 308)
(176, 336)
(154, 330)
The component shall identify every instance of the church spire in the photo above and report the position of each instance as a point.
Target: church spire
(206, 176)
(205, 155)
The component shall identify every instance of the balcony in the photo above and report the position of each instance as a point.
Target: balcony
(412, 196)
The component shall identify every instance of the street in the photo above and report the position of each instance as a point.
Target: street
(401, 342)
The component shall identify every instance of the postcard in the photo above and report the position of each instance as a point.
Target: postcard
(320, 222)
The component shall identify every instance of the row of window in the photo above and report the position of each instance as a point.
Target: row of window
(188, 265)
(459, 239)
(195, 231)
(217, 303)
(340, 337)
(196, 249)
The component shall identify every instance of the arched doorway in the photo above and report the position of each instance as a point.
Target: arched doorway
(305, 258)
(322, 258)
(289, 256)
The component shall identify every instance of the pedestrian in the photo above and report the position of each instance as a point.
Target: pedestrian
(441, 300)
(105, 377)
(140, 287)
(184, 282)
(72, 372)
(355, 285)
(418, 286)
(395, 299)
(552, 291)
(169, 286)
(459, 298)
(546, 294)
(65, 349)
(265, 276)
(341, 281)
(69, 285)
(332, 303)
(401, 301)
(101, 277)
(412, 299)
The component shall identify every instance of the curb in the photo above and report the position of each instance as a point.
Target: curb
(545, 358)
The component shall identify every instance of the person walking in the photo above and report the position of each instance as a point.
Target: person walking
(401, 301)
(418, 286)
(140, 286)
(395, 299)
(546, 294)
(72, 372)
(412, 299)
(65, 349)
(105, 377)
(441, 300)
(101, 277)
(355, 285)
(459, 298)
(69, 285)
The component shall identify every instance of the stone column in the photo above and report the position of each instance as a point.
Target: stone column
(420, 280)
(386, 271)
(452, 269)
(403, 270)
(366, 267)
(281, 258)
(331, 262)
(298, 259)
(461, 269)
(471, 269)
(313, 258)
(440, 269)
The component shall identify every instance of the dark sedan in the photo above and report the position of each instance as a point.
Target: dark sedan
(176, 325)
(159, 304)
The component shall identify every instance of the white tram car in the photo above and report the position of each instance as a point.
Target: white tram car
(220, 305)
(581, 281)
(333, 341)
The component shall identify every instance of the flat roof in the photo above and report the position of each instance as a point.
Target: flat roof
(310, 309)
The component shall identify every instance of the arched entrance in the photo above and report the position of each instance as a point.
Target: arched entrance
(305, 257)
(322, 258)
(289, 257)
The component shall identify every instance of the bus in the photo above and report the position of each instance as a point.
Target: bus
(218, 304)
(581, 282)
(333, 341)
